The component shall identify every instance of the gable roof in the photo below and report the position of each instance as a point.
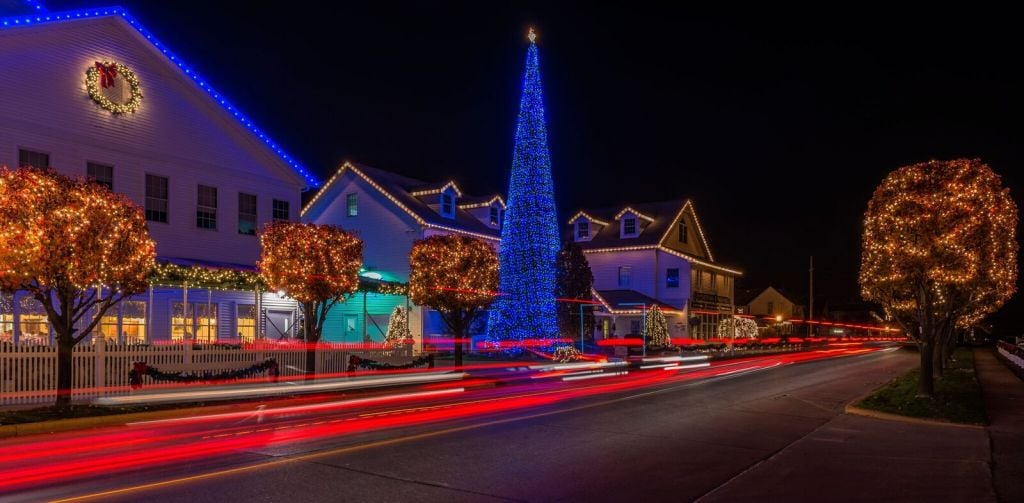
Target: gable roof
(399, 190)
(659, 216)
(41, 16)
(470, 202)
(613, 301)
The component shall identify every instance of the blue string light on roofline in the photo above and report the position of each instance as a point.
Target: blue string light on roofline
(529, 234)
(47, 17)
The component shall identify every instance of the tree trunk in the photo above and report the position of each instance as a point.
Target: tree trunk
(938, 363)
(460, 339)
(311, 336)
(926, 386)
(65, 350)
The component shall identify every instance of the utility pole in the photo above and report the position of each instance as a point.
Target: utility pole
(810, 309)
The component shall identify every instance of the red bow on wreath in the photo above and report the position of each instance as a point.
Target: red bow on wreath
(107, 74)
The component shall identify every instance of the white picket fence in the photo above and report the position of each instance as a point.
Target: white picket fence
(28, 373)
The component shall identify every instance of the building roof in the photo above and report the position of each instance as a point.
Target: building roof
(399, 189)
(659, 216)
(747, 295)
(613, 301)
(40, 15)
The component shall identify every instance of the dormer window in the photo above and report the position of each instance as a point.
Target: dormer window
(447, 204)
(629, 226)
(582, 230)
(494, 216)
(682, 231)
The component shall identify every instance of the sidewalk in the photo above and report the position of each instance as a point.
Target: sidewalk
(855, 458)
(1004, 404)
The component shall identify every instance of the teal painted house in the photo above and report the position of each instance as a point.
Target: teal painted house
(389, 212)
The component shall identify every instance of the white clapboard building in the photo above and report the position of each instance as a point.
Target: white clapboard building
(91, 93)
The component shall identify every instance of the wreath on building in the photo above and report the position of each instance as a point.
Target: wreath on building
(103, 76)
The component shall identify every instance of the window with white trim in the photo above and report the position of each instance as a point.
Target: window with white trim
(629, 226)
(247, 214)
(206, 207)
(447, 204)
(281, 211)
(33, 158)
(582, 230)
(156, 198)
(352, 205)
(100, 174)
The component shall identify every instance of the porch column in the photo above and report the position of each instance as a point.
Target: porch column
(210, 338)
(16, 316)
(149, 318)
(186, 321)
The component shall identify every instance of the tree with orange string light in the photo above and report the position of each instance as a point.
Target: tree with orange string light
(76, 247)
(317, 265)
(456, 275)
(939, 252)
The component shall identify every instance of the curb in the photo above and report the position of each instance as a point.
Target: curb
(83, 423)
(857, 411)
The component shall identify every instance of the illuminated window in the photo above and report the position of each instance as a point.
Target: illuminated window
(206, 323)
(100, 174)
(352, 205)
(281, 211)
(182, 321)
(6, 317)
(682, 231)
(34, 326)
(672, 278)
(34, 159)
(206, 207)
(156, 198)
(245, 322)
(107, 329)
(247, 214)
(625, 276)
(582, 229)
(133, 321)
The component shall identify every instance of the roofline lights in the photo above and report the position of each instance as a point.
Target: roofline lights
(48, 17)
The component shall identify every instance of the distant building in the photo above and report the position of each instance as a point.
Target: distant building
(653, 254)
(389, 212)
(771, 308)
(768, 302)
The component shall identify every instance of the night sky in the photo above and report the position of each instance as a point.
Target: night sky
(778, 124)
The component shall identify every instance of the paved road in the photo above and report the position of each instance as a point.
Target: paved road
(741, 436)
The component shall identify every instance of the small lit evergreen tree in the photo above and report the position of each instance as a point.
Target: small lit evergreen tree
(657, 328)
(398, 327)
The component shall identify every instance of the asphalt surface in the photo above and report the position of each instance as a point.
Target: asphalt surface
(768, 433)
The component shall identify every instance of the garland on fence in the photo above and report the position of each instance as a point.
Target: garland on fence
(143, 369)
(357, 362)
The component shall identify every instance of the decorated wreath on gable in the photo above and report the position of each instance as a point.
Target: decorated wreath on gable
(114, 87)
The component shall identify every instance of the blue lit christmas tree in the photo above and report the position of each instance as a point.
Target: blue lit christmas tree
(529, 234)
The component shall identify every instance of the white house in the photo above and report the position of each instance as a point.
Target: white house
(653, 254)
(91, 93)
(389, 212)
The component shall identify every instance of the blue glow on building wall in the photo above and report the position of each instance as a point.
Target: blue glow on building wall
(44, 16)
(529, 234)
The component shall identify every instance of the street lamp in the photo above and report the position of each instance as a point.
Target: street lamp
(643, 337)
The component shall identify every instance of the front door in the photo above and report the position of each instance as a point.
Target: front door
(279, 324)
